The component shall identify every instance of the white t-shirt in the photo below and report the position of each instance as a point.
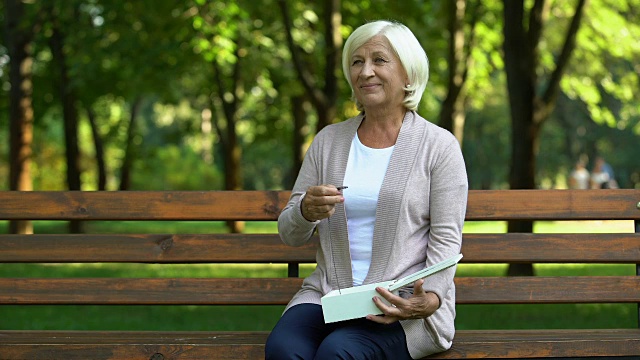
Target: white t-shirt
(364, 175)
(580, 178)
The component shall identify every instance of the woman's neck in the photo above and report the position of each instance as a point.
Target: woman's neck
(380, 131)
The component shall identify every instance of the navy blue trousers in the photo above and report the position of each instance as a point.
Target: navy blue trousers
(302, 334)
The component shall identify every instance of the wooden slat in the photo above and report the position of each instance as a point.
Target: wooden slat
(524, 344)
(187, 291)
(551, 248)
(620, 204)
(186, 345)
(129, 345)
(142, 205)
(540, 290)
(131, 291)
(156, 248)
(257, 248)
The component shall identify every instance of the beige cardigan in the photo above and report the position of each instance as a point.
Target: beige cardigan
(419, 220)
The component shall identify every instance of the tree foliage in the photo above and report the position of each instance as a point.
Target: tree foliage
(177, 82)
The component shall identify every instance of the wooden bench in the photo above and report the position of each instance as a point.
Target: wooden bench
(612, 248)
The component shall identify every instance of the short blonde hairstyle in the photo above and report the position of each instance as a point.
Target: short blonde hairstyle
(408, 49)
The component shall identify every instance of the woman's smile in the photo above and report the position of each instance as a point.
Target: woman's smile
(378, 75)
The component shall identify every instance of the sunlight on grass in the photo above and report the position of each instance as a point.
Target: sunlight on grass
(147, 227)
(559, 227)
(485, 227)
(259, 227)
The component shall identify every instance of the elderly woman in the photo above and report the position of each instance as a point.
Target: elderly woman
(403, 210)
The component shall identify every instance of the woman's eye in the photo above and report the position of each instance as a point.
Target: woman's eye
(380, 60)
(356, 62)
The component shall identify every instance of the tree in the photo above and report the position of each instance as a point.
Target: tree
(20, 32)
(143, 72)
(130, 56)
(99, 149)
(67, 97)
(530, 107)
(452, 114)
(129, 151)
(241, 62)
(322, 94)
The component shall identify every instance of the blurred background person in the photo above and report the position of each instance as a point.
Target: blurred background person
(580, 177)
(602, 176)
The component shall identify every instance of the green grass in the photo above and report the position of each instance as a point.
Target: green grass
(72, 317)
(145, 227)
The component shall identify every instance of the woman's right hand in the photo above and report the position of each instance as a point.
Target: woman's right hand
(319, 202)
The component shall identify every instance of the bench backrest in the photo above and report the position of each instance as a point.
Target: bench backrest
(490, 205)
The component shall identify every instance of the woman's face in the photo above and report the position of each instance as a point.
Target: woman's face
(377, 75)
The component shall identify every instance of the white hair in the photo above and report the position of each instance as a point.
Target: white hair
(405, 45)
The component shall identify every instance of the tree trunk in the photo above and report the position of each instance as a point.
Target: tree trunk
(333, 39)
(299, 135)
(69, 115)
(521, 81)
(528, 110)
(99, 149)
(129, 153)
(229, 137)
(452, 114)
(20, 105)
(324, 99)
(232, 156)
(69, 111)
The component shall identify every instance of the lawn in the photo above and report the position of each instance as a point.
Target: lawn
(264, 317)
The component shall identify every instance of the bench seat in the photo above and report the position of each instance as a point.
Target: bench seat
(145, 345)
(590, 247)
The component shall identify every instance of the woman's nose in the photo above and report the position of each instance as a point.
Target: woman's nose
(367, 69)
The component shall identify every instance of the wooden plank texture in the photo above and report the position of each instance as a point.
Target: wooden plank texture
(525, 344)
(541, 290)
(468, 344)
(266, 248)
(142, 205)
(155, 248)
(551, 248)
(134, 291)
(144, 345)
(618, 204)
(265, 291)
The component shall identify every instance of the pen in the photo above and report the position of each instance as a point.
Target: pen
(340, 188)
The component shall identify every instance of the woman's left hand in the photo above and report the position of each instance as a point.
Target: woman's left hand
(420, 305)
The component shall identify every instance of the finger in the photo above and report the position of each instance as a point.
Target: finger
(388, 310)
(324, 190)
(322, 200)
(390, 297)
(326, 201)
(382, 319)
(316, 205)
(316, 190)
(334, 189)
(313, 213)
(417, 287)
